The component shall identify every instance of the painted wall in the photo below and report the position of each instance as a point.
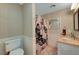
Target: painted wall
(16, 20)
(65, 17)
(28, 49)
(27, 10)
(27, 19)
(11, 20)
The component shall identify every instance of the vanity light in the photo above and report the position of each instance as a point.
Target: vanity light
(75, 6)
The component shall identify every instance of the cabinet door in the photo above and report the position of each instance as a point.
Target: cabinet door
(65, 49)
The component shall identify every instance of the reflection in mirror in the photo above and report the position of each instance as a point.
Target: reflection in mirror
(76, 20)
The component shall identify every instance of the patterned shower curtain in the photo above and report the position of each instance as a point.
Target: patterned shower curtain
(41, 35)
(41, 31)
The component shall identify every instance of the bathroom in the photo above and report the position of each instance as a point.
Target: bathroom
(19, 28)
(58, 16)
(16, 26)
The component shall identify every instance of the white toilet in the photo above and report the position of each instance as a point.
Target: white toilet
(18, 51)
(12, 47)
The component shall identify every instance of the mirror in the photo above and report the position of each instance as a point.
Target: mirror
(76, 20)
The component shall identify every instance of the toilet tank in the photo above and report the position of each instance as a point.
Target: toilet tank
(12, 44)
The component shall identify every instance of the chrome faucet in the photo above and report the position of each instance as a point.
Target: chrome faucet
(73, 35)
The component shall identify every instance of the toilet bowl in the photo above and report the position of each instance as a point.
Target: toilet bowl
(18, 51)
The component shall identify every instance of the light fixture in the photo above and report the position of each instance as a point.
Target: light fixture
(52, 5)
(74, 6)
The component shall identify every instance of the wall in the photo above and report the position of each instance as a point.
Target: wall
(27, 10)
(11, 20)
(16, 20)
(65, 18)
(28, 19)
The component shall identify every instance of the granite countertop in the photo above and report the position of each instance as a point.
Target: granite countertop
(68, 40)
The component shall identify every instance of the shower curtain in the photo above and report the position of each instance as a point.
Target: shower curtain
(41, 34)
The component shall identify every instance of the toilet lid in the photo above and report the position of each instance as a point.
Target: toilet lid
(18, 51)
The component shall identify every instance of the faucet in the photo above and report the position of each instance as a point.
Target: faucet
(73, 35)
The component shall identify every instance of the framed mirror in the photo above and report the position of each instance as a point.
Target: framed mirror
(76, 20)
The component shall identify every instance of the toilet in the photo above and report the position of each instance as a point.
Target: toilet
(13, 47)
(18, 51)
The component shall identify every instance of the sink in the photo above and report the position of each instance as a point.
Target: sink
(66, 38)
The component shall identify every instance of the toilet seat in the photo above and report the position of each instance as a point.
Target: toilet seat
(18, 51)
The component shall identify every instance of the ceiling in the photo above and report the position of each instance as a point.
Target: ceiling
(44, 8)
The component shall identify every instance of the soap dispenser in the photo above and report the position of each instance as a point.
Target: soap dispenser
(64, 31)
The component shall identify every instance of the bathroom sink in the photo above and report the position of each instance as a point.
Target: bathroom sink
(67, 38)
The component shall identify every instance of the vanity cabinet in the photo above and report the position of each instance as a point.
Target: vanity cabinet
(66, 49)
